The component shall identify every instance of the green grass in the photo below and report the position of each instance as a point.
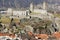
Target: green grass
(16, 20)
(6, 20)
(57, 15)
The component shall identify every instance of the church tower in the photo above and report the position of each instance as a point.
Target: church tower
(44, 5)
(31, 7)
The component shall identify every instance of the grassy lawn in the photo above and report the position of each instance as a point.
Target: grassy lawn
(16, 20)
(6, 20)
(57, 15)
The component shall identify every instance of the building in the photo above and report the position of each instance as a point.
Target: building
(20, 12)
(44, 5)
(38, 10)
(12, 12)
(41, 11)
(40, 6)
(31, 7)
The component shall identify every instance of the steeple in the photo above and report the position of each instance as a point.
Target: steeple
(44, 5)
(31, 7)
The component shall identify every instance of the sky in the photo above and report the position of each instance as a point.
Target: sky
(24, 3)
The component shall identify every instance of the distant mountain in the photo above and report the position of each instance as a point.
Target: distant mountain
(23, 3)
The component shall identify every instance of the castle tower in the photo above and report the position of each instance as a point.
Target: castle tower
(10, 11)
(31, 7)
(44, 5)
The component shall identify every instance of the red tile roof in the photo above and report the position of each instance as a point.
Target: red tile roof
(56, 34)
(42, 36)
(7, 34)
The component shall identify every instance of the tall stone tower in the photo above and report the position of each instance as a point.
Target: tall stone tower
(10, 11)
(31, 7)
(44, 5)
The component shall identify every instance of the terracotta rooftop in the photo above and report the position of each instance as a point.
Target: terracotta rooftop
(6, 34)
(56, 34)
(42, 36)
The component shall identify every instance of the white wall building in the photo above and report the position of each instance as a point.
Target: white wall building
(37, 10)
(42, 11)
(21, 13)
(3, 11)
(10, 11)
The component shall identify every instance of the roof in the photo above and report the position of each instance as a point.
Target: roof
(56, 34)
(42, 36)
(7, 34)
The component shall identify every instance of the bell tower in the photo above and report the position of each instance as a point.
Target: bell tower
(44, 5)
(31, 7)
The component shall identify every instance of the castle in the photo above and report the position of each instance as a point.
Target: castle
(37, 10)
(26, 12)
